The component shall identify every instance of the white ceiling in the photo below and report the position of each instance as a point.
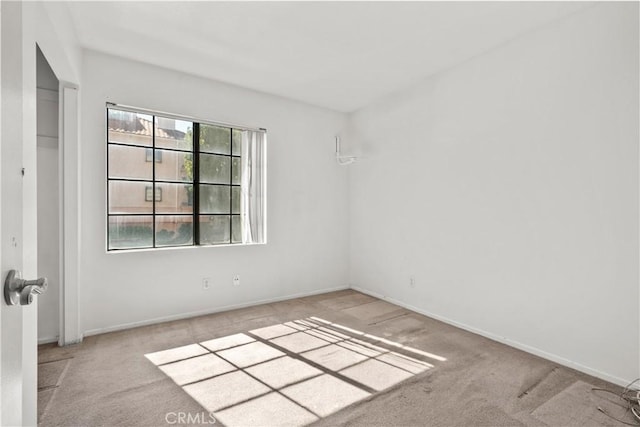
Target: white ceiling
(339, 55)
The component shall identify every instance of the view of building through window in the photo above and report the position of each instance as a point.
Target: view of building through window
(172, 182)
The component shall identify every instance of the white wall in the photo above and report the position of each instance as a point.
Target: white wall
(307, 204)
(508, 186)
(56, 38)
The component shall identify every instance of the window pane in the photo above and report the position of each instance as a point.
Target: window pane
(215, 139)
(176, 198)
(236, 170)
(173, 133)
(175, 166)
(236, 229)
(215, 199)
(236, 142)
(126, 232)
(129, 162)
(214, 169)
(235, 200)
(174, 230)
(214, 229)
(130, 128)
(129, 197)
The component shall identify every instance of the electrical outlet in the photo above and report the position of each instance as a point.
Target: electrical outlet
(412, 281)
(236, 280)
(206, 283)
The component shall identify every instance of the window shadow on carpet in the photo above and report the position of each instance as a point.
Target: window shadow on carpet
(291, 373)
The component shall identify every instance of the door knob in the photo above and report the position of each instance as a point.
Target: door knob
(17, 290)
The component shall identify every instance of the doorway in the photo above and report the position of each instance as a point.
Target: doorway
(47, 153)
(50, 372)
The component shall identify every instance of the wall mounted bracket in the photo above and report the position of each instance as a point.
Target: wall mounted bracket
(343, 160)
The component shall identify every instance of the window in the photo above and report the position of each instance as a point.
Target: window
(205, 185)
(148, 197)
(149, 155)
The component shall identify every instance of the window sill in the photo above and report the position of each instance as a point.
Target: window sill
(181, 248)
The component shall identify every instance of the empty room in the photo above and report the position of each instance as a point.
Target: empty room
(319, 213)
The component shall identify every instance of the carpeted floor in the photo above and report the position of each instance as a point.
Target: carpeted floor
(341, 358)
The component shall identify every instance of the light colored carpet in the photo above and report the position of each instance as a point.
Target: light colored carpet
(50, 373)
(477, 382)
(577, 405)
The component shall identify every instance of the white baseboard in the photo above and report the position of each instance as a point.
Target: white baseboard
(47, 340)
(524, 347)
(188, 315)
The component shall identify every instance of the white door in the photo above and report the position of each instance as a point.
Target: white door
(18, 324)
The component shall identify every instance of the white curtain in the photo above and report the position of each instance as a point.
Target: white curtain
(254, 186)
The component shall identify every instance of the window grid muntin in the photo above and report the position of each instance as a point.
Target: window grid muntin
(196, 184)
(153, 172)
(146, 146)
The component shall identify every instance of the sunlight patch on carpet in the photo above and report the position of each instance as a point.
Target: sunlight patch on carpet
(289, 374)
